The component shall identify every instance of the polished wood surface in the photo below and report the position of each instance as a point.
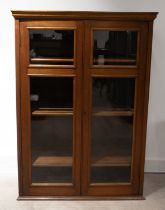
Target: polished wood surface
(146, 100)
(48, 70)
(112, 113)
(52, 60)
(18, 103)
(82, 72)
(52, 112)
(54, 161)
(114, 60)
(79, 198)
(84, 15)
(57, 161)
(112, 161)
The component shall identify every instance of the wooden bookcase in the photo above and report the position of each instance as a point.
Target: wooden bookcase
(82, 100)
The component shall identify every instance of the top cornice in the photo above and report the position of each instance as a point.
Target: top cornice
(83, 15)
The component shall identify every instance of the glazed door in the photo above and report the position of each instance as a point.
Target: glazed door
(82, 107)
(51, 52)
(113, 103)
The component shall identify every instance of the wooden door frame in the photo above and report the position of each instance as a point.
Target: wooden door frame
(25, 72)
(137, 72)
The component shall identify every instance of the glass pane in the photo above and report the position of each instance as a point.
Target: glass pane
(111, 149)
(112, 130)
(52, 129)
(114, 47)
(51, 92)
(51, 149)
(113, 94)
(55, 47)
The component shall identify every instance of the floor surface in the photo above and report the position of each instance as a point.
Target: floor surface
(154, 192)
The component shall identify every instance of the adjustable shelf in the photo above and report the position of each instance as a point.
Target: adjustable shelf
(52, 60)
(53, 112)
(66, 161)
(108, 161)
(112, 112)
(114, 60)
(53, 161)
(48, 157)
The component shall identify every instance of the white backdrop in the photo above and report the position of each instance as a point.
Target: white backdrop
(155, 152)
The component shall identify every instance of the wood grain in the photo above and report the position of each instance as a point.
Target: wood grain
(53, 161)
(66, 161)
(112, 113)
(83, 15)
(52, 60)
(52, 112)
(113, 60)
(108, 161)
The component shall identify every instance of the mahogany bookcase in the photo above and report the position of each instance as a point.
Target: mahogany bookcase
(82, 99)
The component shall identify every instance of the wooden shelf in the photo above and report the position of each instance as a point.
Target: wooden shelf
(111, 161)
(52, 112)
(52, 60)
(66, 161)
(114, 60)
(69, 111)
(115, 112)
(53, 161)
